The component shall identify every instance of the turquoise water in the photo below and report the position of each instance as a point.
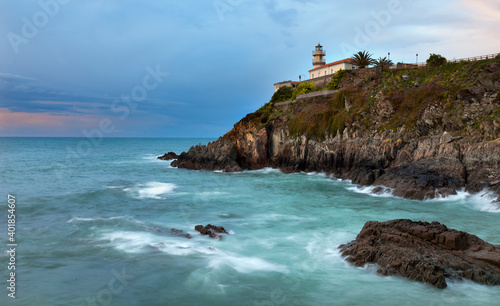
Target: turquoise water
(94, 220)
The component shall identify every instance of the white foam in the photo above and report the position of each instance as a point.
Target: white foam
(78, 219)
(321, 174)
(75, 219)
(151, 190)
(129, 242)
(461, 195)
(481, 201)
(386, 192)
(115, 187)
(151, 157)
(245, 264)
(266, 170)
(139, 242)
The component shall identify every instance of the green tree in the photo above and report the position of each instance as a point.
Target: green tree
(302, 89)
(383, 61)
(284, 93)
(436, 60)
(363, 59)
(336, 78)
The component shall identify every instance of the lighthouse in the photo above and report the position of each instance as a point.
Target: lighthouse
(319, 56)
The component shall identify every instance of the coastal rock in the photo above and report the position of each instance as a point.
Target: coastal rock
(424, 252)
(244, 147)
(168, 156)
(211, 230)
(453, 144)
(219, 155)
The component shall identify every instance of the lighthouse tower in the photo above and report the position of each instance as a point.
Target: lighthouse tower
(319, 56)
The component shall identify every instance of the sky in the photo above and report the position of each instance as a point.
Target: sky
(193, 68)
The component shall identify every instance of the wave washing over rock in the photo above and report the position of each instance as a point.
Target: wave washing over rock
(424, 252)
(448, 146)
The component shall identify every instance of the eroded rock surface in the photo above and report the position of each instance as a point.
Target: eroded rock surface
(212, 231)
(168, 156)
(424, 252)
(454, 144)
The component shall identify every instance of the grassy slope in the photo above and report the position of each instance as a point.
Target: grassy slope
(438, 87)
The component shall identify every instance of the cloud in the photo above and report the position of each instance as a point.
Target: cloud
(15, 77)
(286, 17)
(482, 10)
(45, 121)
(93, 52)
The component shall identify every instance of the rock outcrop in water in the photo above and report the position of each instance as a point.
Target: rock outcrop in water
(168, 156)
(423, 142)
(211, 231)
(424, 252)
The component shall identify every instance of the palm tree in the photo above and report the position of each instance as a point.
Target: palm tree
(383, 61)
(362, 59)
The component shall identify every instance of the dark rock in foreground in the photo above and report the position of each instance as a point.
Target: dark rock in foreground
(207, 230)
(168, 156)
(424, 252)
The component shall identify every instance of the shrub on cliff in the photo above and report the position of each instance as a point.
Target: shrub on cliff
(283, 94)
(336, 78)
(303, 89)
(436, 60)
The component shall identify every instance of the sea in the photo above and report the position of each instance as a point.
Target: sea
(94, 220)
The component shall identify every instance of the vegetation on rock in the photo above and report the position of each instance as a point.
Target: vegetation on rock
(336, 78)
(284, 93)
(303, 88)
(383, 61)
(428, 100)
(436, 60)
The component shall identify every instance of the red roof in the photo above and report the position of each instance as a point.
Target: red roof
(347, 60)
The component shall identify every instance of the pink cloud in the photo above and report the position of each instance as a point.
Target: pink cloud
(46, 121)
(485, 10)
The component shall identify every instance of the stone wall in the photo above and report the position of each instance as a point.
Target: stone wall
(321, 81)
(314, 94)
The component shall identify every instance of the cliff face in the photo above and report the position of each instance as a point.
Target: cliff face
(422, 138)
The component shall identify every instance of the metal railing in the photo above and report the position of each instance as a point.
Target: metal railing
(319, 51)
(475, 58)
(466, 59)
(320, 62)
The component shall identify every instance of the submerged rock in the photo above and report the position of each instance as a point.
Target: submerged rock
(207, 230)
(424, 252)
(168, 156)
(173, 231)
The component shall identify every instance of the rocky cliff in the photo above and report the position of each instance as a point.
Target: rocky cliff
(424, 132)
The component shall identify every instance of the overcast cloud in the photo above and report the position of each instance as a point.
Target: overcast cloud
(215, 61)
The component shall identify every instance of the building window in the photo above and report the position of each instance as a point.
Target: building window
(325, 72)
(312, 76)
